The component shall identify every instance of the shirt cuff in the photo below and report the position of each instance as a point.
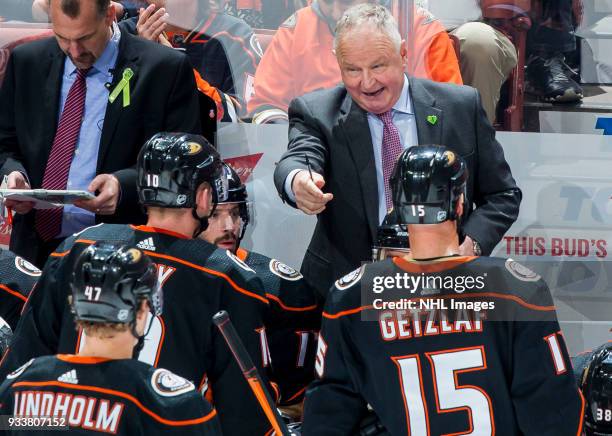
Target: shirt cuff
(288, 183)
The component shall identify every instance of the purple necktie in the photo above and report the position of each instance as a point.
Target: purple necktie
(391, 149)
(48, 222)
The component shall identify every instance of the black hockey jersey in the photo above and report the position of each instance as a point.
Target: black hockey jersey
(451, 346)
(197, 280)
(292, 324)
(17, 277)
(95, 395)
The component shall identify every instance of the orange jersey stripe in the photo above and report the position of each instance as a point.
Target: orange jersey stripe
(151, 229)
(297, 394)
(290, 308)
(346, 312)
(122, 395)
(78, 241)
(209, 271)
(14, 293)
(73, 358)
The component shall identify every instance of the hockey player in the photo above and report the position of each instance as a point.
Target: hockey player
(400, 336)
(179, 176)
(593, 370)
(294, 317)
(102, 389)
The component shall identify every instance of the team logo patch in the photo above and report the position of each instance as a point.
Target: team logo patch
(168, 384)
(284, 271)
(450, 157)
(26, 267)
(135, 254)
(521, 272)
(350, 279)
(20, 370)
(194, 148)
(240, 263)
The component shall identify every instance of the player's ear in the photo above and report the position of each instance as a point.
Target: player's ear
(204, 198)
(459, 206)
(143, 310)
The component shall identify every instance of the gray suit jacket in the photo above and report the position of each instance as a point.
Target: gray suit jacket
(333, 131)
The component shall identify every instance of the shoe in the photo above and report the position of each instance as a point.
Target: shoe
(551, 79)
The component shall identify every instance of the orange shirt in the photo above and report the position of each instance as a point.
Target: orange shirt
(300, 59)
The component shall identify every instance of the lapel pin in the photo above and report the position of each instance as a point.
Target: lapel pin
(432, 119)
(123, 87)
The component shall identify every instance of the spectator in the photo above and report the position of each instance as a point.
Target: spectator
(550, 38)
(67, 75)
(222, 49)
(486, 57)
(300, 58)
(351, 136)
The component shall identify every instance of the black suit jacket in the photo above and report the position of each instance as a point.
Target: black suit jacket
(333, 131)
(163, 98)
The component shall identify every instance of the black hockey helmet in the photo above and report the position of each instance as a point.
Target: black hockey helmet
(110, 280)
(237, 193)
(596, 385)
(171, 166)
(390, 236)
(426, 183)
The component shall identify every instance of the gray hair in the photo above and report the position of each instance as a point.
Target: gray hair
(368, 14)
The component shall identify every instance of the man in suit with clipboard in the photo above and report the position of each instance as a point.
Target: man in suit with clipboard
(75, 111)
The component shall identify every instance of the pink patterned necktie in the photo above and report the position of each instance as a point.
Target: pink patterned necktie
(48, 222)
(391, 149)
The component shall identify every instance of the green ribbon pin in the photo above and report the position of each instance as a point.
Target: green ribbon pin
(122, 86)
(432, 119)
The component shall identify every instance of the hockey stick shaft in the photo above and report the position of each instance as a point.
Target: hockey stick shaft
(225, 326)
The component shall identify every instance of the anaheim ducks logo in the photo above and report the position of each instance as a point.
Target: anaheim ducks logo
(350, 279)
(284, 271)
(168, 384)
(26, 267)
(521, 272)
(135, 254)
(450, 157)
(194, 148)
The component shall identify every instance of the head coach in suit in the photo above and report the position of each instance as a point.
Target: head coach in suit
(60, 128)
(353, 134)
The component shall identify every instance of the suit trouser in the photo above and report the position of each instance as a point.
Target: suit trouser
(487, 58)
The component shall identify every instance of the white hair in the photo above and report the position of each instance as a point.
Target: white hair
(368, 14)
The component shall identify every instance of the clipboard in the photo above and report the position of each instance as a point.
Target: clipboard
(45, 198)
